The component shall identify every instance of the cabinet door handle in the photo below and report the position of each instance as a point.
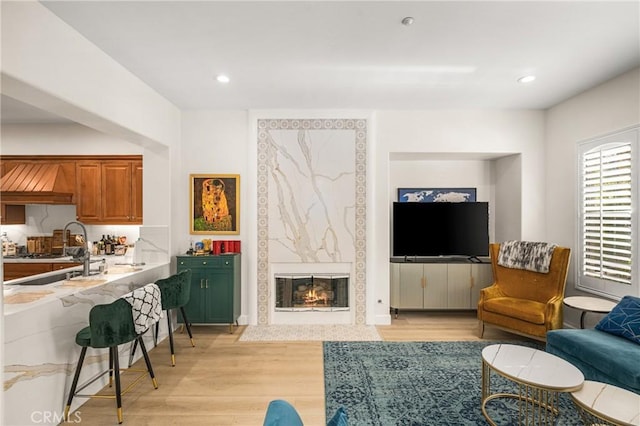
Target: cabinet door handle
(226, 263)
(473, 282)
(204, 263)
(201, 283)
(206, 283)
(423, 282)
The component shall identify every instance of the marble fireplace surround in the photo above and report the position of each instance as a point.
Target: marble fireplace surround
(311, 209)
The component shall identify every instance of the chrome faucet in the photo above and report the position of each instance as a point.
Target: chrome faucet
(86, 257)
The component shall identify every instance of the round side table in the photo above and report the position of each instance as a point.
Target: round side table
(604, 404)
(589, 304)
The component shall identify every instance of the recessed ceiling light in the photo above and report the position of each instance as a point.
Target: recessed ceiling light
(222, 78)
(526, 79)
(407, 21)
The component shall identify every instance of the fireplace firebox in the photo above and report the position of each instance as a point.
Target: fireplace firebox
(304, 292)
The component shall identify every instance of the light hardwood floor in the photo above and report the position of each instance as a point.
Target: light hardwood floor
(226, 382)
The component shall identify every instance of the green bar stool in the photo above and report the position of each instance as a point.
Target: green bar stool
(114, 324)
(176, 291)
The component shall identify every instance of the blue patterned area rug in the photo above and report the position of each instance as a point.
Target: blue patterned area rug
(418, 383)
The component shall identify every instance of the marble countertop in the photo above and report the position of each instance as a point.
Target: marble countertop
(61, 259)
(19, 298)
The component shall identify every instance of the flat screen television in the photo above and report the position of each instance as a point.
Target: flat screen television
(441, 229)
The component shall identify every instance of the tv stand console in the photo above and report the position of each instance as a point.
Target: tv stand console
(438, 283)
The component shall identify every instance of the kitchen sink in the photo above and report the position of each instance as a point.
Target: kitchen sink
(57, 277)
(45, 280)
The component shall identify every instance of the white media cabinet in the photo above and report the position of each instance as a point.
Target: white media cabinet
(438, 283)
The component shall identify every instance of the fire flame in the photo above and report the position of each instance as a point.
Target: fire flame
(311, 297)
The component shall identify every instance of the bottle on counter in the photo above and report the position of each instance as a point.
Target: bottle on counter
(108, 246)
(137, 252)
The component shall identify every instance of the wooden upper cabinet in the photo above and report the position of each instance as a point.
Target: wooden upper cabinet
(116, 191)
(106, 189)
(88, 195)
(109, 191)
(12, 214)
(136, 195)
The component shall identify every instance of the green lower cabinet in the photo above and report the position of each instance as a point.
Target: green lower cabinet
(215, 288)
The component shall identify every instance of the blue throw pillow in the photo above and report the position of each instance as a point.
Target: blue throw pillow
(623, 320)
(339, 418)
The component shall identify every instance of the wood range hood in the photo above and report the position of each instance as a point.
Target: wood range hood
(38, 183)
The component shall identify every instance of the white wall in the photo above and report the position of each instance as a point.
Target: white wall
(61, 139)
(215, 142)
(603, 109)
(48, 64)
(507, 174)
(458, 135)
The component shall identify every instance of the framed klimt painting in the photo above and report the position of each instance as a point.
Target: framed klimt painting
(215, 204)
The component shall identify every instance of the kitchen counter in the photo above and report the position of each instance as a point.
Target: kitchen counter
(19, 259)
(40, 324)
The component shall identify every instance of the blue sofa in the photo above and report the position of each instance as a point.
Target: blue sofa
(608, 353)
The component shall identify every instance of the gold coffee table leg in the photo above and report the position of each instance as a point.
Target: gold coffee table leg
(536, 406)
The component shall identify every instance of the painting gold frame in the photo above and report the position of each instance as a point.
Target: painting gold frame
(215, 204)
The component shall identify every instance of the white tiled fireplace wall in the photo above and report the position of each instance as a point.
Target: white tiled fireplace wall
(311, 209)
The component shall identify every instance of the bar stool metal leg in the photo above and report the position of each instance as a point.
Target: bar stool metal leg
(148, 362)
(74, 384)
(173, 353)
(110, 369)
(186, 323)
(132, 352)
(113, 353)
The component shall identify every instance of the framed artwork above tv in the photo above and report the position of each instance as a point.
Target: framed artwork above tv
(436, 195)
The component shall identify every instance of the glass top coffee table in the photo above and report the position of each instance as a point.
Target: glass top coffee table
(540, 377)
(603, 404)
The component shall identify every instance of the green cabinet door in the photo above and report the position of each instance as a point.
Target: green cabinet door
(219, 286)
(196, 308)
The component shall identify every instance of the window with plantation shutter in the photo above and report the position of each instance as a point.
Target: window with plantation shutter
(608, 217)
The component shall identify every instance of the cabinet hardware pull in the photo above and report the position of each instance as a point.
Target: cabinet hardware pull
(204, 263)
(206, 283)
(201, 280)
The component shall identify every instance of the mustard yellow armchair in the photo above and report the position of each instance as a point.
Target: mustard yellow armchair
(523, 301)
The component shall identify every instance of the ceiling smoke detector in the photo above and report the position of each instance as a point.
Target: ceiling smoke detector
(407, 21)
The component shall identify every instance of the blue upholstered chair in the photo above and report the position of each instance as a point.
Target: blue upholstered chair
(114, 324)
(282, 413)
